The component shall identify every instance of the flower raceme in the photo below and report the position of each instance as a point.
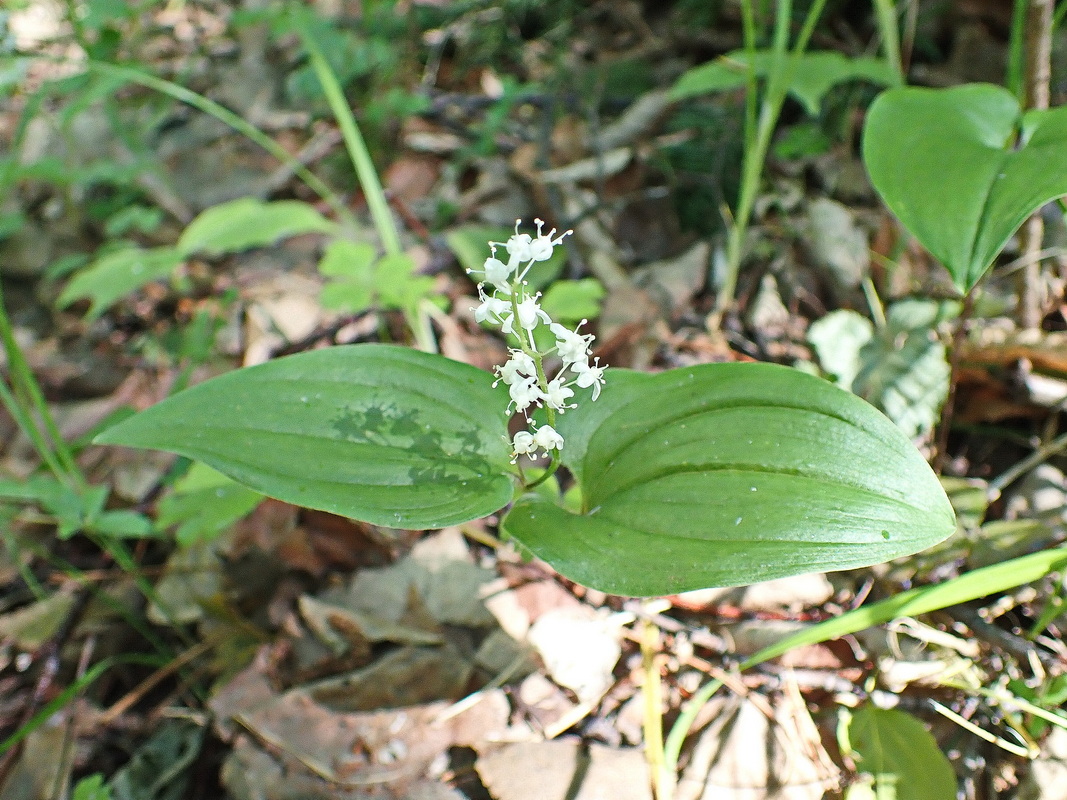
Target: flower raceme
(516, 311)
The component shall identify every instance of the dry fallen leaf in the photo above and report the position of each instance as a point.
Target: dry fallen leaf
(560, 770)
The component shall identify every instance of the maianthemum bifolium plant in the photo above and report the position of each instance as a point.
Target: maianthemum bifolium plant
(711, 475)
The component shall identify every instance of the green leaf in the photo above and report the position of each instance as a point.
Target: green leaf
(397, 285)
(122, 525)
(727, 474)
(92, 787)
(573, 300)
(345, 259)
(203, 503)
(814, 74)
(352, 264)
(950, 164)
(117, 274)
(246, 223)
(902, 756)
(380, 433)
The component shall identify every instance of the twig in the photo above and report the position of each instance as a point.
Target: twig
(1019, 647)
(1039, 456)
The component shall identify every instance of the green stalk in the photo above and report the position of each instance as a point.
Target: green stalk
(886, 12)
(663, 778)
(1014, 80)
(542, 382)
(384, 224)
(356, 146)
(27, 398)
(758, 143)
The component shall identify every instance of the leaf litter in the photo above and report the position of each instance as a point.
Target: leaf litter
(349, 661)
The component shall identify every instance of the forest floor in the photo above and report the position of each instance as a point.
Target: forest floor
(283, 653)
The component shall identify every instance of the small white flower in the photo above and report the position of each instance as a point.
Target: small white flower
(557, 395)
(518, 246)
(497, 273)
(589, 375)
(571, 345)
(548, 439)
(523, 444)
(492, 309)
(541, 248)
(530, 312)
(519, 366)
(525, 392)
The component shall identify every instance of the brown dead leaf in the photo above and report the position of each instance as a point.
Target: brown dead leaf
(405, 677)
(560, 770)
(368, 749)
(743, 755)
(412, 177)
(580, 647)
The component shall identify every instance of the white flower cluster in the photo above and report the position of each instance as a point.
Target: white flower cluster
(518, 313)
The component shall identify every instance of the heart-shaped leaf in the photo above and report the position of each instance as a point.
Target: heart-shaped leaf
(380, 433)
(727, 474)
(963, 168)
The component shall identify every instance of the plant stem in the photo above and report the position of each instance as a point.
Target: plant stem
(758, 142)
(663, 780)
(887, 24)
(416, 316)
(223, 114)
(26, 398)
(356, 146)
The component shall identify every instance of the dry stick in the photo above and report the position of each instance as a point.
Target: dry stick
(1038, 77)
(51, 653)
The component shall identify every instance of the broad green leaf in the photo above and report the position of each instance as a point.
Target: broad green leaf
(814, 74)
(901, 754)
(963, 168)
(380, 433)
(246, 223)
(116, 274)
(728, 474)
